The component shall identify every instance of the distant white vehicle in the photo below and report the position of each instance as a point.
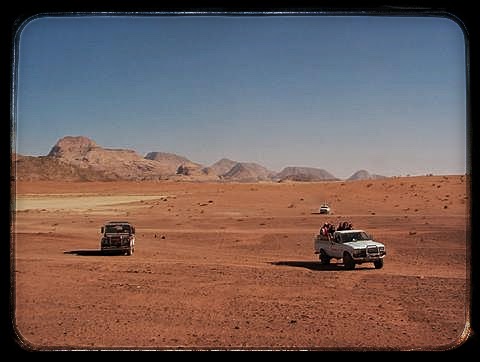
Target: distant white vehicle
(352, 246)
(324, 209)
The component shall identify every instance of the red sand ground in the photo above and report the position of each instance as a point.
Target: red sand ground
(231, 266)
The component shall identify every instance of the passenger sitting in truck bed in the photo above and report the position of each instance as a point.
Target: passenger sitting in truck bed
(331, 229)
(327, 230)
(324, 229)
(345, 226)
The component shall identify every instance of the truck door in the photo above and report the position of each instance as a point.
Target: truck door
(335, 249)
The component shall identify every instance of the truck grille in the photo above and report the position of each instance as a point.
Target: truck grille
(361, 253)
(115, 241)
(372, 250)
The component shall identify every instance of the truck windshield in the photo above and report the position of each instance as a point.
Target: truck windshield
(112, 229)
(347, 237)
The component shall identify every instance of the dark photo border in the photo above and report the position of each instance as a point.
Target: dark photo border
(18, 12)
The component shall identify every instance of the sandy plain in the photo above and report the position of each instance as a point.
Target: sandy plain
(231, 266)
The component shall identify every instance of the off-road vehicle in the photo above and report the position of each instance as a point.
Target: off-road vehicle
(352, 246)
(324, 209)
(118, 236)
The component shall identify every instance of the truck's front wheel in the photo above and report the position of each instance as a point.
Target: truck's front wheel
(324, 258)
(378, 264)
(348, 261)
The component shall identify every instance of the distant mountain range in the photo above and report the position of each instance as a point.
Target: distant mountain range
(81, 159)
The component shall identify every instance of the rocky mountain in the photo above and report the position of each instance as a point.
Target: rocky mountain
(364, 175)
(248, 172)
(46, 168)
(221, 167)
(114, 164)
(176, 165)
(304, 174)
(80, 158)
(72, 148)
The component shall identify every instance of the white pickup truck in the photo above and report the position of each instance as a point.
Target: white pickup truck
(352, 246)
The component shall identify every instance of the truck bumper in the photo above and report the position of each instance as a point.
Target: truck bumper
(368, 259)
(115, 248)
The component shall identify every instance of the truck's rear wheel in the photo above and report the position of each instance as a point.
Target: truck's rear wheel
(378, 264)
(324, 258)
(348, 261)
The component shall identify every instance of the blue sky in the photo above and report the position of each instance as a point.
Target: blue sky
(385, 94)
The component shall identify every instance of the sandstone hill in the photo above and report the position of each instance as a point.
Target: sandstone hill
(78, 158)
(45, 168)
(364, 175)
(114, 164)
(304, 174)
(177, 165)
(221, 167)
(248, 172)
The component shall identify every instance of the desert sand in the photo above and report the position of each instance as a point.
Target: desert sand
(232, 266)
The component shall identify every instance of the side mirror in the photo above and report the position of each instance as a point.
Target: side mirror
(102, 229)
(133, 230)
